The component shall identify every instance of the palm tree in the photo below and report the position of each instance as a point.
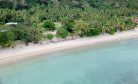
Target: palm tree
(81, 27)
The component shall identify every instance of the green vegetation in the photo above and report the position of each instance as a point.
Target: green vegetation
(81, 27)
(49, 25)
(28, 34)
(62, 33)
(67, 17)
(6, 39)
(50, 37)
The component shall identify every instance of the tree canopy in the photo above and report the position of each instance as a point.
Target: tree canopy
(77, 17)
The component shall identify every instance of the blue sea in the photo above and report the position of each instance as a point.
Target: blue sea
(107, 63)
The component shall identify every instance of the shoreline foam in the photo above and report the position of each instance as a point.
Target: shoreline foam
(12, 55)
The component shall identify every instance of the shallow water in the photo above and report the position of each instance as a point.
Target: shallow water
(115, 63)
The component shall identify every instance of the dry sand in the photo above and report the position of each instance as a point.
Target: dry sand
(10, 55)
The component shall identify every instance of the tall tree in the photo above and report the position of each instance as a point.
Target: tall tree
(6, 38)
(81, 27)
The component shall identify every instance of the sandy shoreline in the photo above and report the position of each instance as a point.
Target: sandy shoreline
(11, 55)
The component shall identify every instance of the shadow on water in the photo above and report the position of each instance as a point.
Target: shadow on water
(88, 78)
(1, 80)
(128, 78)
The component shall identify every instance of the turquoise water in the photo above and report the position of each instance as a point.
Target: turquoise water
(115, 63)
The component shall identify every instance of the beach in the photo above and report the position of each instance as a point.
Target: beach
(19, 53)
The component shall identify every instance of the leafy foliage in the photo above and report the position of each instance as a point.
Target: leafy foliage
(6, 38)
(78, 17)
(62, 33)
(49, 25)
(28, 34)
(69, 25)
(81, 27)
(50, 36)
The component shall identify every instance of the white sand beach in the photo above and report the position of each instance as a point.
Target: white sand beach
(19, 53)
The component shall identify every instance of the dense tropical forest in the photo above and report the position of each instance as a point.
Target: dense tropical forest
(68, 17)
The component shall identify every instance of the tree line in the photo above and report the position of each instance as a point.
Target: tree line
(77, 17)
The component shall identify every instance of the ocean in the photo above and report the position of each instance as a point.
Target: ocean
(106, 63)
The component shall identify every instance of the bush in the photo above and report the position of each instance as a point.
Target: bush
(6, 38)
(69, 25)
(111, 31)
(49, 25)
(62, 33)
(93, 32)
(28, 34)
(50, 36)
